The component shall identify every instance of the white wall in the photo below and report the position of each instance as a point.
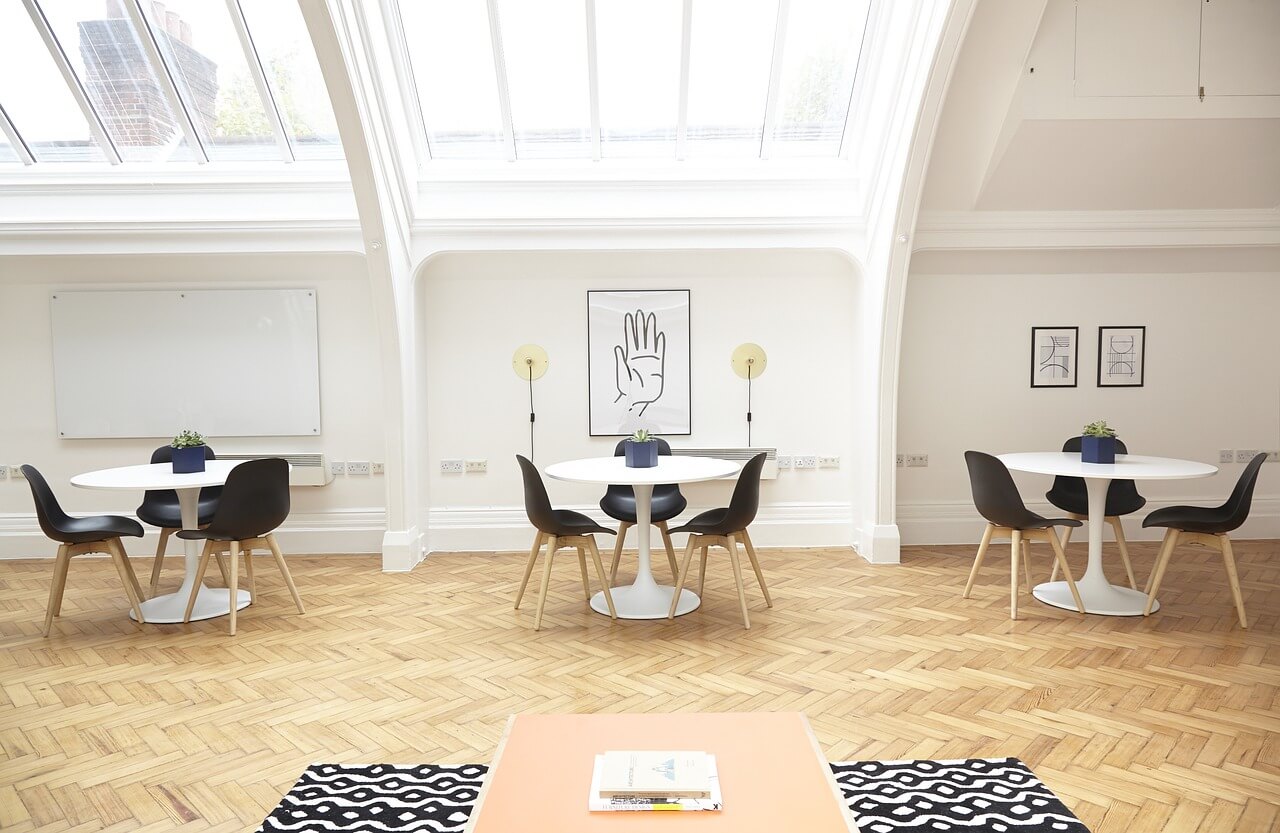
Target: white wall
(1212, 382)
(345, 516)
(479, 307)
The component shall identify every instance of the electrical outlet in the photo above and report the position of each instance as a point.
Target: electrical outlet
(357, 467)
(901, 460)
(917, 460)
(4, 472)
(377, 467)
(451, 467)
(477, 466)
(1273, 456)
(1226, 455)
(1244, 455)
(337, 468)
(15, 473)
(784, 462)
(828, 462)
(806, 461)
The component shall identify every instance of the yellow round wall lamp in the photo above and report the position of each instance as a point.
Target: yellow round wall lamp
(749, 361)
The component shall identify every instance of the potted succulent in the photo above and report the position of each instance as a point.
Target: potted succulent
(641, 450)
(188, 452)
(1098, 443)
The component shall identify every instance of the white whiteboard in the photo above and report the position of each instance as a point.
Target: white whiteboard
(224, 362)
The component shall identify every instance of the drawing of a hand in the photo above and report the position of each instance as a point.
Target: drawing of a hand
(639, 361)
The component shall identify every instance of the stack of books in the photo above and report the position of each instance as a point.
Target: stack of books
(654, 781)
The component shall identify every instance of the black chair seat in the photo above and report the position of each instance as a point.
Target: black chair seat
(710, 522)
(1210, 520)
(568, 522)
(169, 515)
(667, 503)
(96, 528)
(1071, 495)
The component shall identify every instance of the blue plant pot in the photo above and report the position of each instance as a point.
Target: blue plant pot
(1098, 449)
(641, 455)
(188, 460)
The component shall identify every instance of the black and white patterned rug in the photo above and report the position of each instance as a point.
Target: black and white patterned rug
(980, 794)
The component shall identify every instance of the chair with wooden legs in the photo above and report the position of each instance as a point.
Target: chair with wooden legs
(77, 536)
(1207, 526)
(619, 503)
(159, 508)
(996, 497)
(1070, 495)
(558, 529)
(254, 502)
(726, 527)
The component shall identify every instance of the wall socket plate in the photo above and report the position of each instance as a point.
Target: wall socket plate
(901, 460)
(337, 468)
(15, 473)
(1273, 456)
(784, 462)
(451, 466)
(828, 462)
(377, 467)
(1226, 455)
(4, 472)
(806, 461)
(357, 467)
(477, 466)
(1244, 455)
(917, 460)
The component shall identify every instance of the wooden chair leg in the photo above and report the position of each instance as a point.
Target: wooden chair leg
(617, 551)
(1157, 572)
(737, 578)
(233, 590)
(546, 582)
(1066, 539)
(1060, 558)
(1014, 548)
(702, 570)
(977, 560)
(755, 565)
(1229, 561)
(666, 542)
(528, 566)
(222, 567)
(116, 551)
(683, 575)
(1026, 563)
(284, 571)
(159, 562)
(582, 567)
(195, 588)
(128, 568)
(608, 595)
(1123, 546)
(59, 584)
(248, 571)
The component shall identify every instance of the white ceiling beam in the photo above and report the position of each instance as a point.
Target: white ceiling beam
(97, 127)
(686, 42)
(168, 83)
(500, 73)
(593, 79)
(775, 79)
(15, 138)
(275, 116)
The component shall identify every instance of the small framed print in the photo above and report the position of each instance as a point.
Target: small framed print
(1122, 355)
(1053, 356)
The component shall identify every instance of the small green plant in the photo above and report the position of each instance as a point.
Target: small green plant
(188, 439)
(1098, 429)
(642, 436)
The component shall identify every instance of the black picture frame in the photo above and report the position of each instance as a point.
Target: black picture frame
(1123, 368)
(1044, 367)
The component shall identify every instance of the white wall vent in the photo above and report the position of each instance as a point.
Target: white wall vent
(739, 455)
(305, 469)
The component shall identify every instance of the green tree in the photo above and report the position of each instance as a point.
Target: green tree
(240, 109)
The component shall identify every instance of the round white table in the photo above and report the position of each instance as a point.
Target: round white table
(168, 609)
(1099, 595)
(644, 598)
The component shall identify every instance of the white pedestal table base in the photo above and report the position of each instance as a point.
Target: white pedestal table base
(634, 601)
(1105, 599)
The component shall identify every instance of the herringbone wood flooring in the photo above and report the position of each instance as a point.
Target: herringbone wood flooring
(1167, 724)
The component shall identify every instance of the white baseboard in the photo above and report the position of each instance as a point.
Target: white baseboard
(505, 528)
(958, 522)
(346, 531)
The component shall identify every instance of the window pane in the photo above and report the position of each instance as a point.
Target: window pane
(201, 47)
(545, 46)
(729, 58)
(6, 152)
(104, 49)
(452, 55)
(818, 65)
(36, 97)
(638, 54)
(281, 38)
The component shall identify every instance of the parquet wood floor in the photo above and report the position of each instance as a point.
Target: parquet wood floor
(1166, 724)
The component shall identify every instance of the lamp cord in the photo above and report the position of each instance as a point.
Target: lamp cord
(748, 406)
(531, 417)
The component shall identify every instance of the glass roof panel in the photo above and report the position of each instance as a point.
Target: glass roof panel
(284, 47)
(103, 47)
(36, 97)
(6, 152)
(820, 59)
(729, 58)
(200, 45)
(638, 56)
(545, 47)
(451, 50)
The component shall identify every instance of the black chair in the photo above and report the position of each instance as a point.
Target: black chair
(77, 536)
(996, 497)
(1208, 527)
(724, 527)
(619, 503)
(1070, 495)
(255, 500)
(160, 508)
(559, 528)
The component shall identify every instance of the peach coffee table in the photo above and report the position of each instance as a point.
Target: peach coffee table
(772, 774)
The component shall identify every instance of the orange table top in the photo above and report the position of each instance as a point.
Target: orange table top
(772, 774)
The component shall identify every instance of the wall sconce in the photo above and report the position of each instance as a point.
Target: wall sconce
(748, 361)
(529, 362)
